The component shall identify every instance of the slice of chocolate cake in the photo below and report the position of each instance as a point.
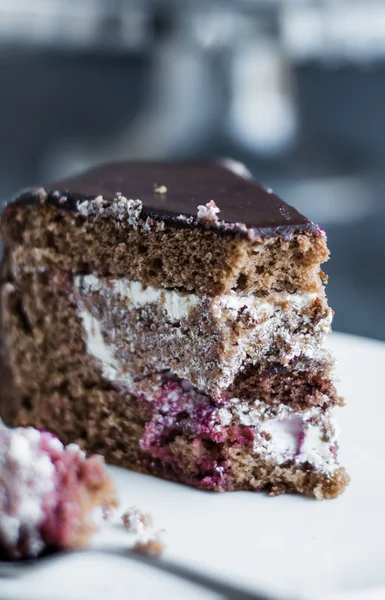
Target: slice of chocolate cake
(172, 317)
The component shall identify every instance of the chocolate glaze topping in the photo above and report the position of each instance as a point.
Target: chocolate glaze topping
(240, 199)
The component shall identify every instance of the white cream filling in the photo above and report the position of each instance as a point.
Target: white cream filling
(286, 443)
(291, 436)
(284, 434)
(264, 324)
(316, 451)
(178, 305)
(234, 303)
(104, 353)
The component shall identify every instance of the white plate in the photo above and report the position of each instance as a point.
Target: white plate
(290, 546)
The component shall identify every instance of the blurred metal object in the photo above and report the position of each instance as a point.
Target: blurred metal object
(339, 200)
(211, 25)
(262, 109)
(179, 110)
(95, 25)
(309, 29)
(219, 69)
(337, 30)
(204, 581)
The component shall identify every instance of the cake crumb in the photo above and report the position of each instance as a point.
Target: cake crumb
(41, 192)
(108, 511)
(160, 189)
(147, 541)
(318, 492)
(152, 547)
(187, 220)
(208, 212)
(99, 202)
(53, 493)
(135, 521)
(122, 247)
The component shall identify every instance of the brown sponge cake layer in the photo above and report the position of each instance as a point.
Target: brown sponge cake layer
(195, 259)
(114, 425)
(301, 384)
(161, 425)
(166, 428)
(206, 340)
(51, 345)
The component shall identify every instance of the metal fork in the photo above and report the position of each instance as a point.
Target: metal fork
(16, 569)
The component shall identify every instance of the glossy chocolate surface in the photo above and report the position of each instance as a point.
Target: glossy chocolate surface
(240, 199)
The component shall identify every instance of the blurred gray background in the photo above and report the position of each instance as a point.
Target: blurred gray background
(296, 90)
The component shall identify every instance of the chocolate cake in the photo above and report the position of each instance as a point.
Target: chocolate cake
(173, 318)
